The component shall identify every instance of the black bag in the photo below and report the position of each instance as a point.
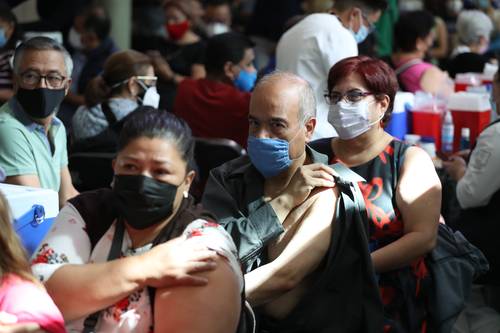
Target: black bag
(345, 298)
(453, 265)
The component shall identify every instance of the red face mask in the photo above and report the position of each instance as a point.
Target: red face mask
(177, 30)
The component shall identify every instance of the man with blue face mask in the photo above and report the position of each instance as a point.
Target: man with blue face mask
(311, 47)
(217, 106)
(278, 202)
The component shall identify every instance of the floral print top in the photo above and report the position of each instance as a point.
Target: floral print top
(68, 243)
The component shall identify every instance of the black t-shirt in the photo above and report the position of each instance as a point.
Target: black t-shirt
(179, 57)
(466, 63)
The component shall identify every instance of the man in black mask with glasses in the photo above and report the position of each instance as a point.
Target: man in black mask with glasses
(32, 140)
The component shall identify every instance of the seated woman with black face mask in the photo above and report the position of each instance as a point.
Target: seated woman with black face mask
(127, 81)
(127, 259)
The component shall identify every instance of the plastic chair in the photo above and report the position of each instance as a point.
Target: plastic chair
(209, 154)
(91, 171)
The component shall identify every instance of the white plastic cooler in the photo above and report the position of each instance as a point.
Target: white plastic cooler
(33, 211)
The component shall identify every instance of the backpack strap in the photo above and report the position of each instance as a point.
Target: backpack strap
(407, 65)
(110, 116)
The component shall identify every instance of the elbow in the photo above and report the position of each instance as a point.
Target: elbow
(287, 280)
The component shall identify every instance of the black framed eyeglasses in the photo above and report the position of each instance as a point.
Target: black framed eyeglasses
(352, 96)
(33, 79)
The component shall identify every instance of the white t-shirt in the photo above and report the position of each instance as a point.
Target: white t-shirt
(309, 49)
(481, 179)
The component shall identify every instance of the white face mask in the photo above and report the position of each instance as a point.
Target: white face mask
(151, 97)
(216, 28)
(74, 39)
(350, 120)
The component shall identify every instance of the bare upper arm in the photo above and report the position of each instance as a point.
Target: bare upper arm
(214, 308)
(436, 81)
(302, 252)
(418, 194)
(23, 180)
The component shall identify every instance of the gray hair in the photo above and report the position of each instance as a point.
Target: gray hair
(307, 101)
(42, 44)
(473, 24)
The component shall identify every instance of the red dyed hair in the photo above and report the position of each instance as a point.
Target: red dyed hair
(377, 76)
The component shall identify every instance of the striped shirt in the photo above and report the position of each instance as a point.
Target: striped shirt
(6, 69)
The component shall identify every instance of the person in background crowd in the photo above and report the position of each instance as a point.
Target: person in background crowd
(24, 303)
(473, 31)
(179, 56)
(133, 254)
(266, 25)
(9, 36)
(32, 140)
(217, 106)
(478, 193)
(401, 189)
(413, 37)
(97, 45)
(218, 17)
(312, 46)
(126, 82)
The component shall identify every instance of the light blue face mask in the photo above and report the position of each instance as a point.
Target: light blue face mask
(245, 81)
(361, 35)
(269, 156)
(3, 39)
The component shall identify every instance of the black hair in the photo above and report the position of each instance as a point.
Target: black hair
(99, 23)
(229, 46)
(367, 5)
(216, 3)
(410, 27)
(146, 121)
(7, 15)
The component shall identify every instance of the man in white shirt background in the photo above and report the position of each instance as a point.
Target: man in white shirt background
(312, 46)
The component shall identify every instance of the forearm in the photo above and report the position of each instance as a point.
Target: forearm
(403, 251)
(79, 290)
(264, 284)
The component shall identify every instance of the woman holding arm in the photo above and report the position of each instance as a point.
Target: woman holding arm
(117, 252)
(402, 191)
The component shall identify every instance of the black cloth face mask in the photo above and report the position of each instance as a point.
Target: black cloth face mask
(40, 103)
(143, 201)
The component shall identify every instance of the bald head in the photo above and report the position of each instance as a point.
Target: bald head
(288, 90)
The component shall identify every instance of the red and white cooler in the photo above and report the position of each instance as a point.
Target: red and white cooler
(469, 110)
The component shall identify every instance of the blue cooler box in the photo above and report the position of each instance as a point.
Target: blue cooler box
(33, 211)
(398, 125)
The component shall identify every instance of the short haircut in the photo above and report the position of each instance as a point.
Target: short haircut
(410, 27)
(472, 25)
(98, 22)
(307, 101)
(42, 44)
(376, 74)
(149, 122)
(365, 5)
(229, 46)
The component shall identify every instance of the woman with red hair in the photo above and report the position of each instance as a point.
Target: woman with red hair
(402, 190)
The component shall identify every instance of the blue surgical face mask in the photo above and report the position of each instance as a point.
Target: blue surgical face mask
(269, 156)
(245, 81)
(361, 35)
(3, 38)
